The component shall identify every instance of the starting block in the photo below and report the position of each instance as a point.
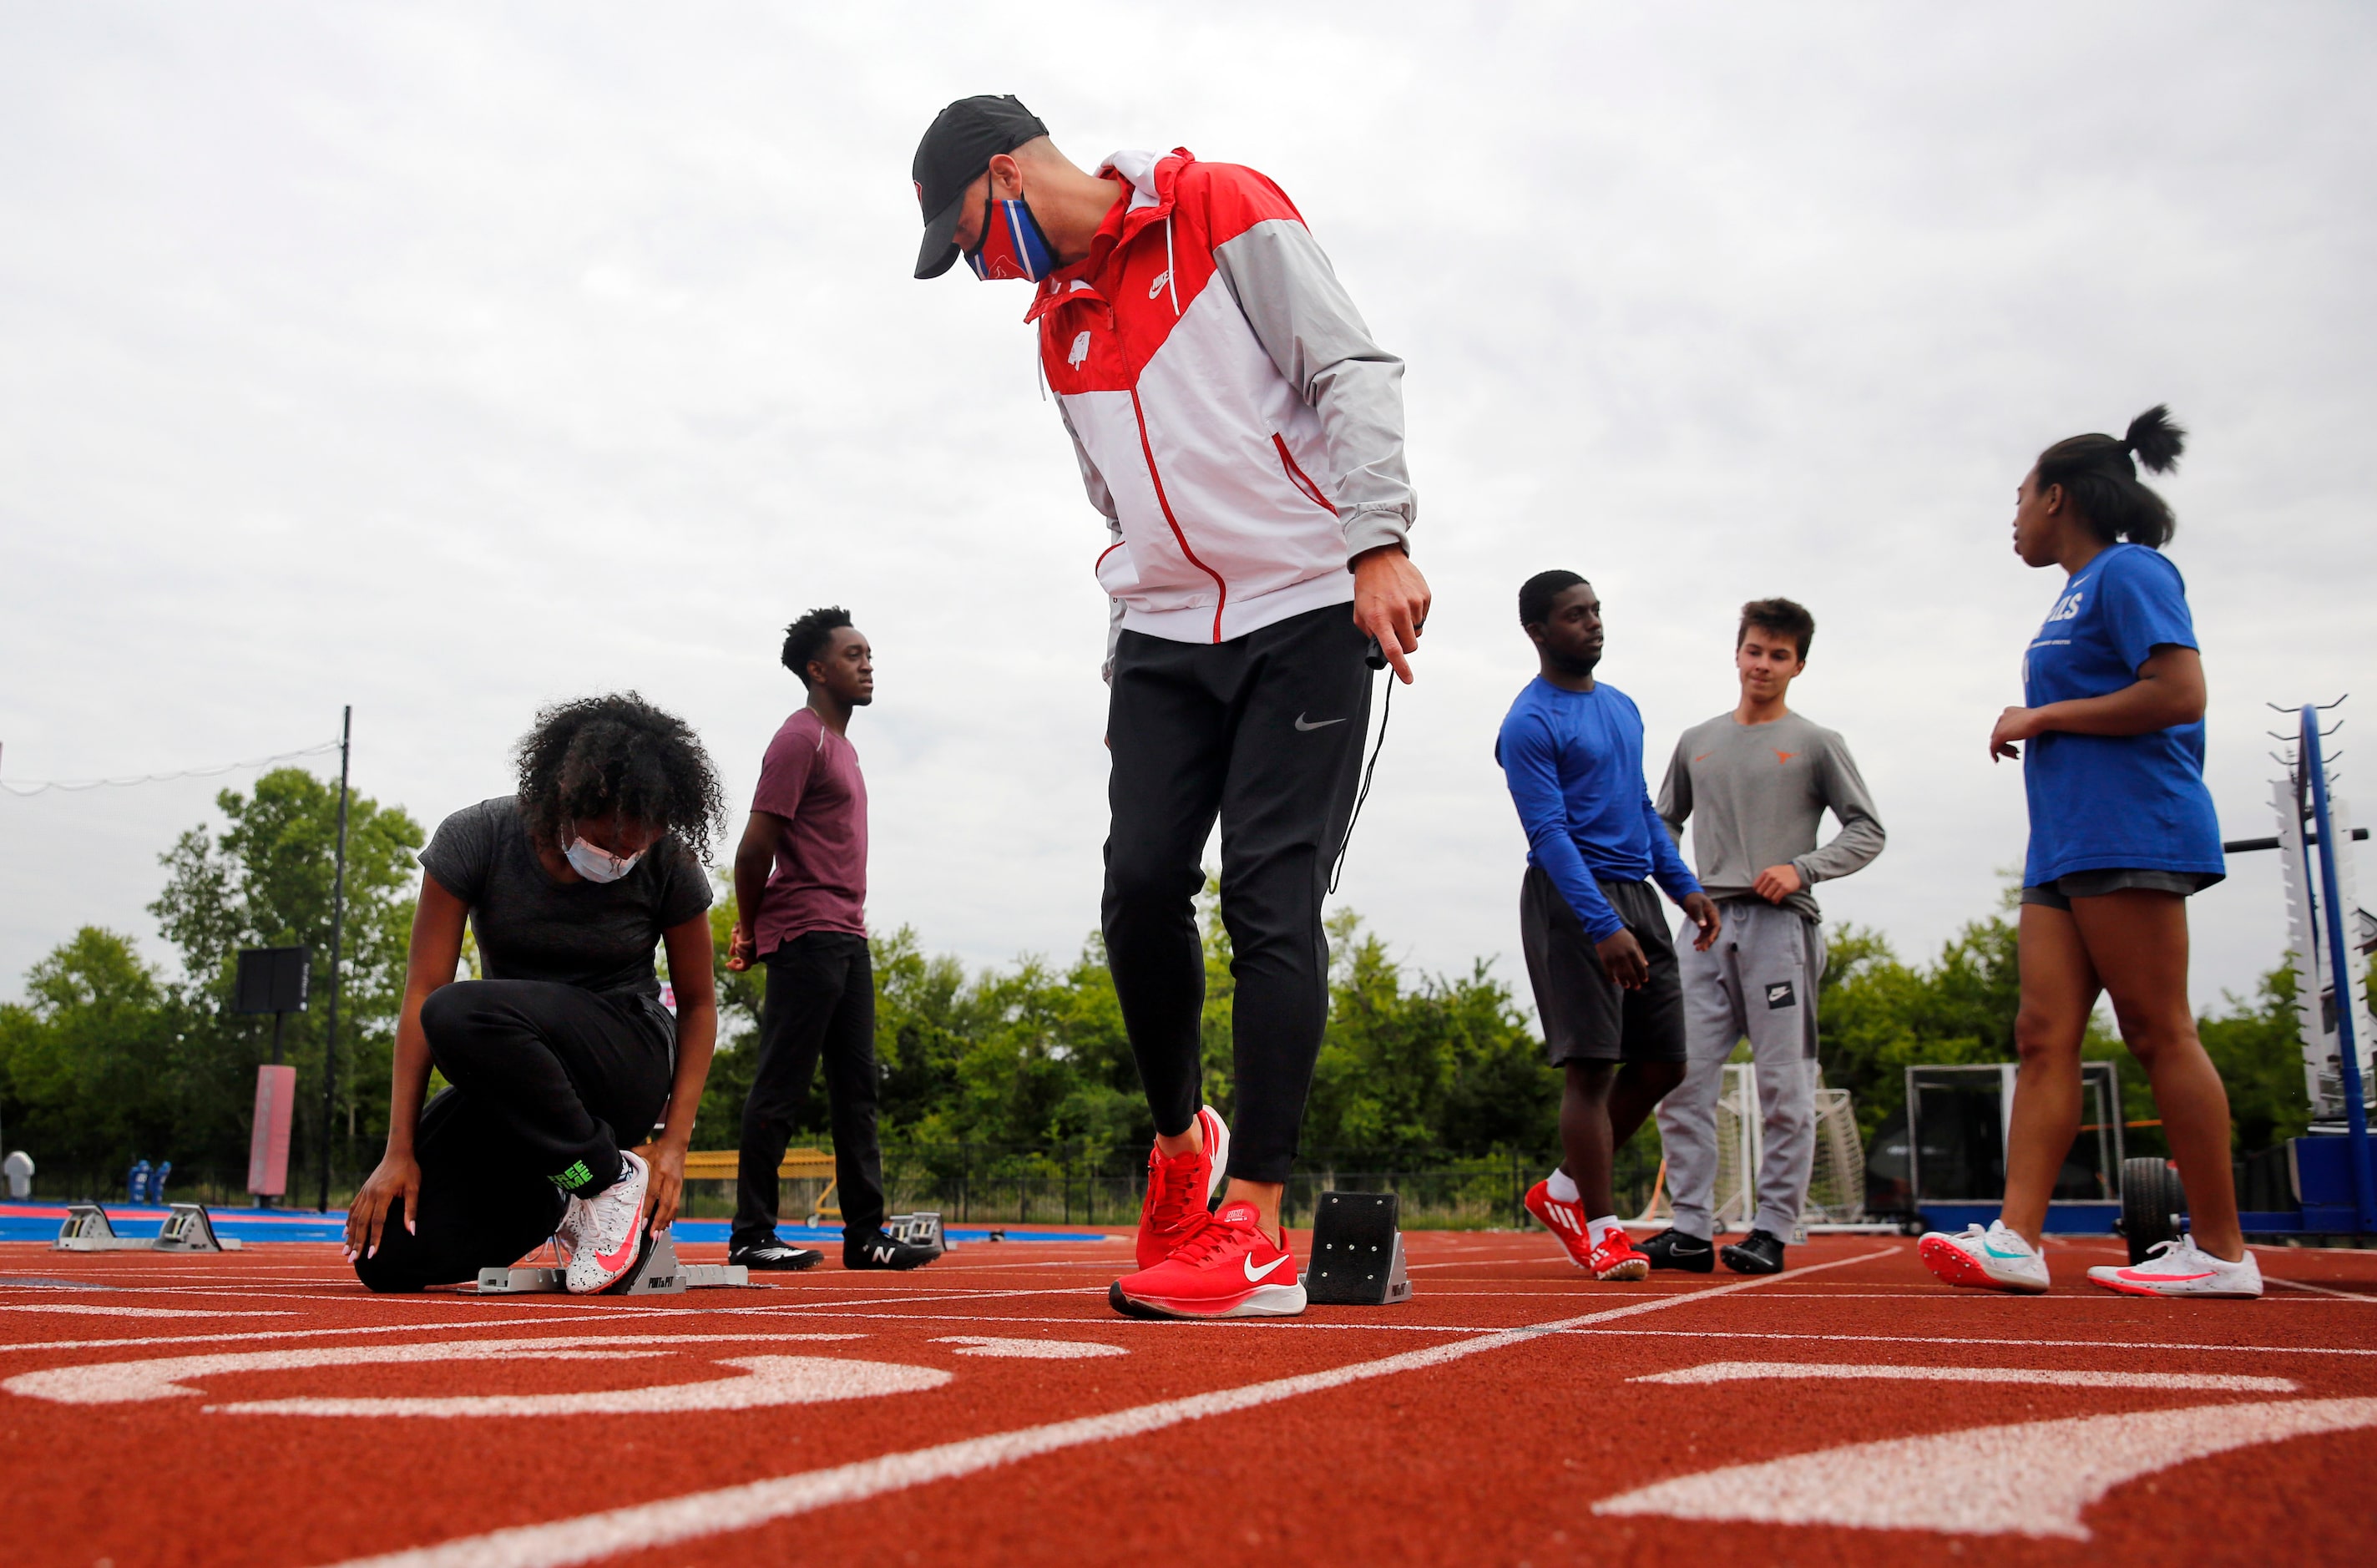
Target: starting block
(657, 1272)
(1357, 1252)
(187, 1228)
(920, 1229)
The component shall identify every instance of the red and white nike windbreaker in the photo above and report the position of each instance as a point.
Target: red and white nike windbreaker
(1235, 421)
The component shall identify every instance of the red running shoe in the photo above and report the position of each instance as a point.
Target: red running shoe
(1180, 1190)
(1614, 1259)
(1617, 1258)
(1227, 1269)
(1563, 1220)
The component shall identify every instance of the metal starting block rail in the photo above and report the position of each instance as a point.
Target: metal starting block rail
(919, 1229)
(657, 1272)
(187, 1228)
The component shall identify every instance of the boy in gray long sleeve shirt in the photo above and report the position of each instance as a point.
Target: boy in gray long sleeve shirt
(1755, 785)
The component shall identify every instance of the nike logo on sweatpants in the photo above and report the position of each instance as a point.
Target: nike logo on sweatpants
(1322, 724)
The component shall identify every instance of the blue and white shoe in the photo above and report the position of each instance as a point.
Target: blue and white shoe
(1995, 1259)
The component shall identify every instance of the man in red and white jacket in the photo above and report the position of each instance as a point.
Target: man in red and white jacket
(1243, 436)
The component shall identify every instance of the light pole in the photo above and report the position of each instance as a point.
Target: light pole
(338, 919)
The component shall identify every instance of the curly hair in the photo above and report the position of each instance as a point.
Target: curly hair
(809, 636)
(2100, 475)
(596, 755)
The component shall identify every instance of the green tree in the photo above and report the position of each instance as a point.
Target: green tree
(264, 881)
(89, 1064)
(2257, 1046)
(1878, 1016)
(1438, 1065)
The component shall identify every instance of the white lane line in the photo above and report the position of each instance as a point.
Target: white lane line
(98, 1311)
(2148, 1347)
(1299, 1325)
(934, 1299)
(164, 1377)
(697, 1514)
(1030, 1349)
(2035, 1478)
(148, 1342)
(2322, 1290)
(2027, 1377)
(766, 1382)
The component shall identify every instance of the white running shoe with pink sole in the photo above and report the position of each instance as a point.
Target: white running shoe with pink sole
(2182, 1268)
(609, 1230)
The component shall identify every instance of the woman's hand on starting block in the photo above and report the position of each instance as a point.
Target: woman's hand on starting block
(665, 1185)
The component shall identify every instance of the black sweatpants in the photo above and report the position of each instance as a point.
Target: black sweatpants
(549, 1083)
(820, 1001)
(1264, 731)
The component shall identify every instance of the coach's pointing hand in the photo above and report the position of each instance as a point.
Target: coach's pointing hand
(1391, 601)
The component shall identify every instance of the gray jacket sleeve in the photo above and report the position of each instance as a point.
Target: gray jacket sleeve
(1306, 322)
(1861, 838)
(1675, 792)
(1101, 498)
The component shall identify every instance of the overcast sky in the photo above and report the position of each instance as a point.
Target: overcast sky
(446, 360)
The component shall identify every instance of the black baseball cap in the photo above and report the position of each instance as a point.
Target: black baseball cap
(962, 140)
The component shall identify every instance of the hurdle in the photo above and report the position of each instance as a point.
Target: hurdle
(187, 1228)
(657, 1272)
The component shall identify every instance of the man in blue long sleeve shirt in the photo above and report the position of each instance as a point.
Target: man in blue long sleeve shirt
(1598, 956)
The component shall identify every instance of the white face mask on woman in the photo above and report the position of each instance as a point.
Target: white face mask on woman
(598, 865)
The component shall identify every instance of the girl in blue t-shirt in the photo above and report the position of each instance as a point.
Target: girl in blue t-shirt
(2121, 832)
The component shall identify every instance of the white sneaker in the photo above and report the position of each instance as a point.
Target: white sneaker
(609, 1230)
(1995, 1259)
(565, 1231)
(2182, 1268)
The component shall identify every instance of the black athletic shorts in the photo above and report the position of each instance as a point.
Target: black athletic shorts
(2059, 893)
(1587, 1017)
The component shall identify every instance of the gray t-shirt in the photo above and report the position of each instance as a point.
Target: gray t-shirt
(596, 936)
(1756, 794)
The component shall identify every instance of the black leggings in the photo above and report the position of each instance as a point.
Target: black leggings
(820, 1001)
(549, 1081)
(1264, 731)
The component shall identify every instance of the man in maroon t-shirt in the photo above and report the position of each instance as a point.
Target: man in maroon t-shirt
(800, 888)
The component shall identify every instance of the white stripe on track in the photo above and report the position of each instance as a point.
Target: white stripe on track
(2322, 1290)
(2156, 1347)
(563, 1310)
(2026, 1377)
(690, 1517)
(2035, 1478)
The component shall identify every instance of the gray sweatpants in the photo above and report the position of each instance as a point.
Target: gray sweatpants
(1759, 980)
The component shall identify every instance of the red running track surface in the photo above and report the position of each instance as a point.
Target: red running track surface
(258, 1409)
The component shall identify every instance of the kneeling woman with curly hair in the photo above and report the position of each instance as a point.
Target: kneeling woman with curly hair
(563, 1056)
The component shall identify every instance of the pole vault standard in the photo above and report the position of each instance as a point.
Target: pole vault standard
(2313, 776)
(338, 919)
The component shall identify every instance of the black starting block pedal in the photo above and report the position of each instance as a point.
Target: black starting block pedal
(920, 1229)
(657, 1272)
(1357, 1252)
(187, 1228)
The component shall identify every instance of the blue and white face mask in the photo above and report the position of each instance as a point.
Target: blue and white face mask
(1012, 244)
(598, 865)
